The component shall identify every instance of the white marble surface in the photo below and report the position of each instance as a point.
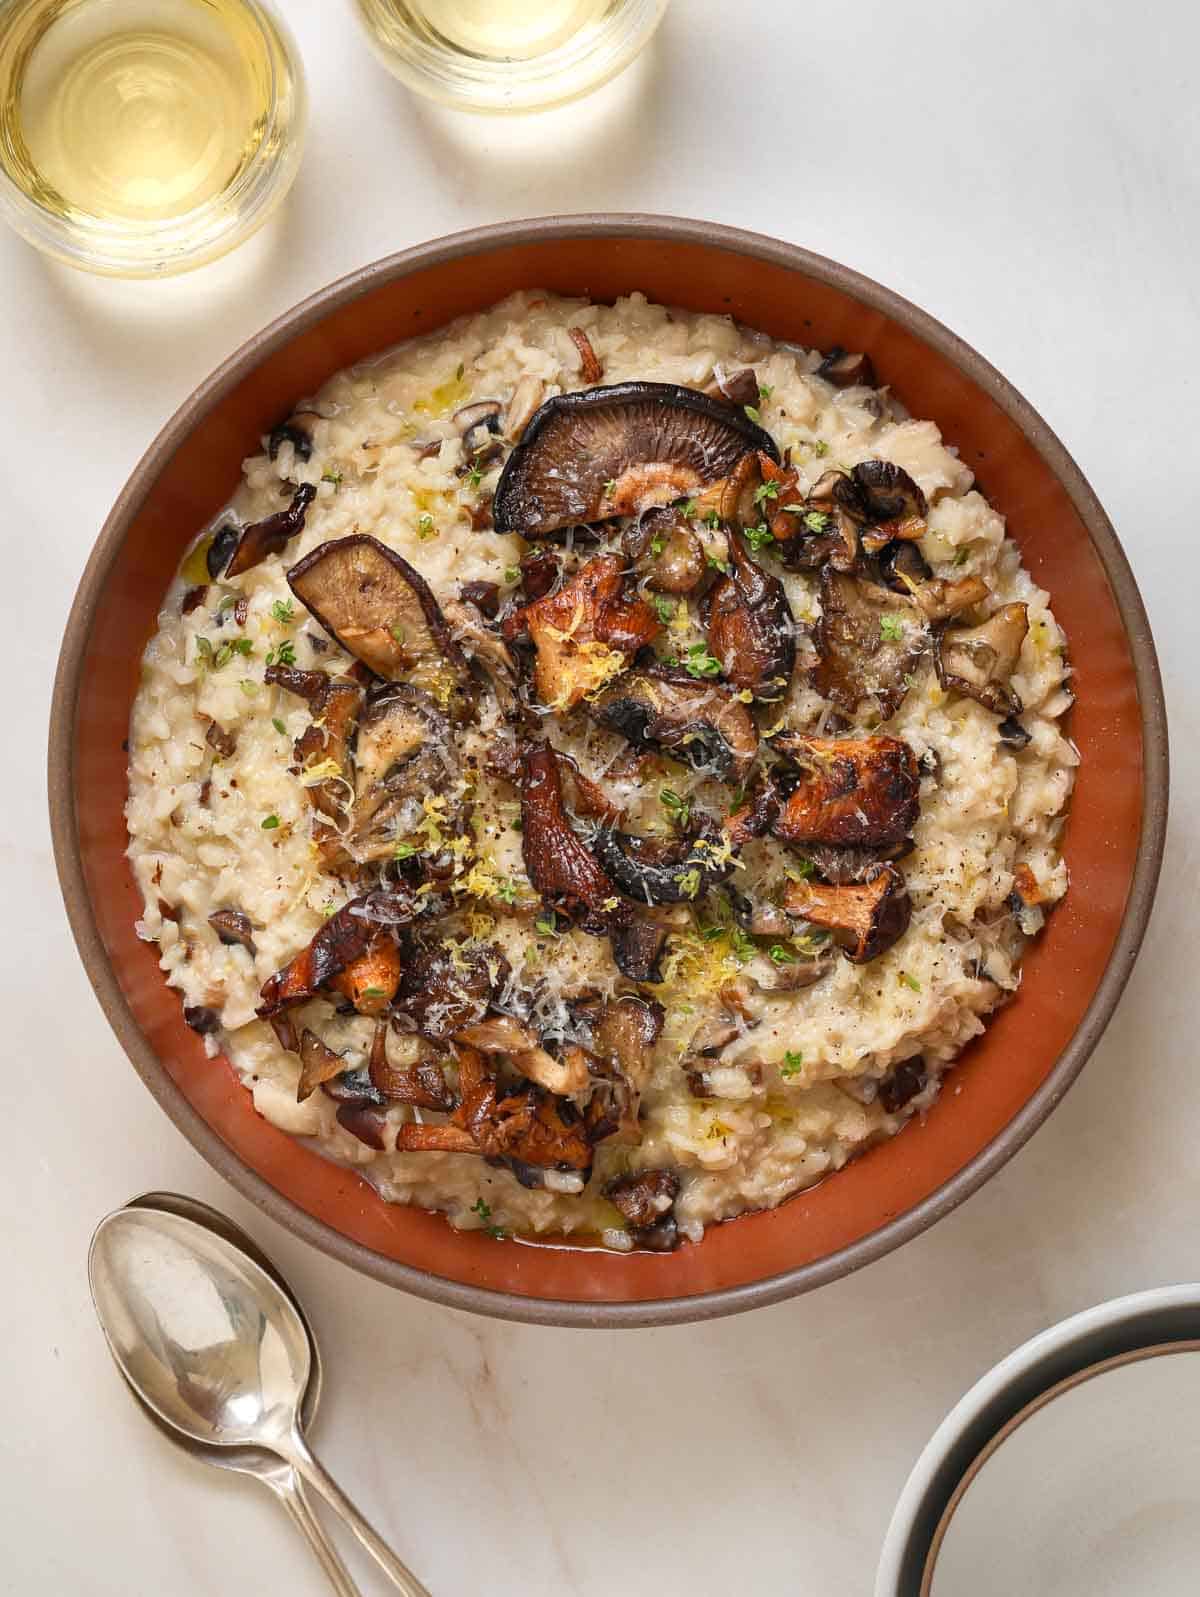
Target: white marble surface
(1027, 172)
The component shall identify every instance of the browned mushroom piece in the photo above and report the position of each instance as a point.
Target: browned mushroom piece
(838, 865)
(978, 661)
(261, 539)
(646, 1201)
(854, 792)
(290, 432)
(590, 369)
(847, 368)
(616, 451)
(485, 596)
(489, 657)
(541, 569)
(446, 989)
(755, 814)
(233, 926)
(318, 1063)
(826, 525)
(311, 686)
(868, 641)
(379, 608)
(586, 633)
(939, 600)
(480, 424)
(666, 553)
(623, 1039)
(371, 980)
(502, 1034)
(221, 742)
(585, 797)
(343, 940)
(323, 749)
(419, 1081)
(739, 388)
(663, 870)
(902, 1084)
(704, 724)
(404, 756)
(637, 945)
(750, 626)
(864, 918)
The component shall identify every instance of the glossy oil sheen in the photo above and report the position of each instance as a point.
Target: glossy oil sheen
(1008, 1079)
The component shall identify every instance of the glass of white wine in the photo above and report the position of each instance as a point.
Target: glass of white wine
(144, 137)
(508, 55)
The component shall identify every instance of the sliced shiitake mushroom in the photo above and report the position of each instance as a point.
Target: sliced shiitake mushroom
(661, 870)
(864, 918)
(586, 632)
(377, 606)
(702, 723)
(666, 553)
(617, 450)
(847, 369)
(750, 626)
(261, 539)
(220, 549)
(978, 661)
(646, 1201)
(860, 792)
(868, 641)
(888, 493)
(233, 926)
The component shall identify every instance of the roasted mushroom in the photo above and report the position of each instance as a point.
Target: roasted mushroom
(444, 990)
(646, 1200)
(739, 388)
(501, 1034)
(868, 641)
(480, 424)
(233, 926)
(323, 749)
(261, 539)
(855, 792)
(662, 870)
(585, 633)
(318, 1063)
(888, 493)
(846, 369)
(371, 980)
(590, 369)
(623, 1039)
(379, 608)
(485, 596)
(979, 661)
(902, 1084)
(702, 723)
(666, 553)
(488, 655)
(419, 1081)
(637, 945)
(404, 756)
(224, 541)
(825, 525)
(865, 918)
(344, 939)
(750, 626)
(616, 451)
(290, 432)
(1012, 734)
(221, 742)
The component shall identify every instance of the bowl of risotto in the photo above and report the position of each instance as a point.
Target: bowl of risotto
(607, 770)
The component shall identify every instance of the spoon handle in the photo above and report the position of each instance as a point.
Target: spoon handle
(290, 1493)
(298, 1455)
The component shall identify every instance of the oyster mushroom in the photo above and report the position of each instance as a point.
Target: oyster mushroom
(377, 606)
(854, 792)
(868, 640)
(323, 750)
(585, 633)
(443, 990)
(646, 1201)
(616, 451)
(661, 870)
(488, 655)
(702, 723)
(887, 493)
(261, 539)
(501, 1034)
(420, 1081)
(623, 1038)
(864, 918)
(404, 755)
(827, 524)
(750, 626)
(978, 661)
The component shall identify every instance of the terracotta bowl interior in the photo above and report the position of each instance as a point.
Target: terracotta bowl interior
(180, 488)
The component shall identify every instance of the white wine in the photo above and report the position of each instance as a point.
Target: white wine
(127, 114)
(511, 55)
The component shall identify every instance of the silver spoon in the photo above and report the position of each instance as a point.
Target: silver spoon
(281, 1478)
(214, 1345)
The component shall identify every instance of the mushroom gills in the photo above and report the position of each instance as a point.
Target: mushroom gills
(978, 661)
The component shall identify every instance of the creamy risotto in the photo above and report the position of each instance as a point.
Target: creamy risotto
(599, 771)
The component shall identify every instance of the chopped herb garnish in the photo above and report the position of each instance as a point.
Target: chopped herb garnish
(425, 527)
(270, 822)
(752, 412)
(497, 1233)
(766, 490)
(547, 925)
(758, 537)
(397, 632)
(404, 851)
(204, 652)
(910, 982)
(249, 687)
(713, 519)
(506, 892)
(781, 954)
(665, 607)
(688, 882)
(961, 556)
(679, 809)
(610, 487)
(242, 646)
(285, 654)
(279, 726)
(736, 799)
(765, 390)
(283, 611)
(691, 510)
(329, 909)
(333, 475)
(512, 573)
(820, 448)
(482, 1209)
(458, 376)
(475, 476)
(700, 663)
(800, 868)
(657, 545)
(891, 629)
(793, 1061)
(373, 992)
(719, 565)
(743, 948)
(816, 520)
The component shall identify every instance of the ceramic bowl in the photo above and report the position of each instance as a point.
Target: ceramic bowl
(1008, 1080)
(1078, 1466)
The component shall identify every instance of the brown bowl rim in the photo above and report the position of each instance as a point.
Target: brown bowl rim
(725, 1300)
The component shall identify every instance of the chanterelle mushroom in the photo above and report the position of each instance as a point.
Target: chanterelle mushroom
(703, 723)
(354, 934)
(750, 626)
(586, 632)
(617, 450)
(865, 918)
(860, 792)
(379, 608)
(979, 661)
